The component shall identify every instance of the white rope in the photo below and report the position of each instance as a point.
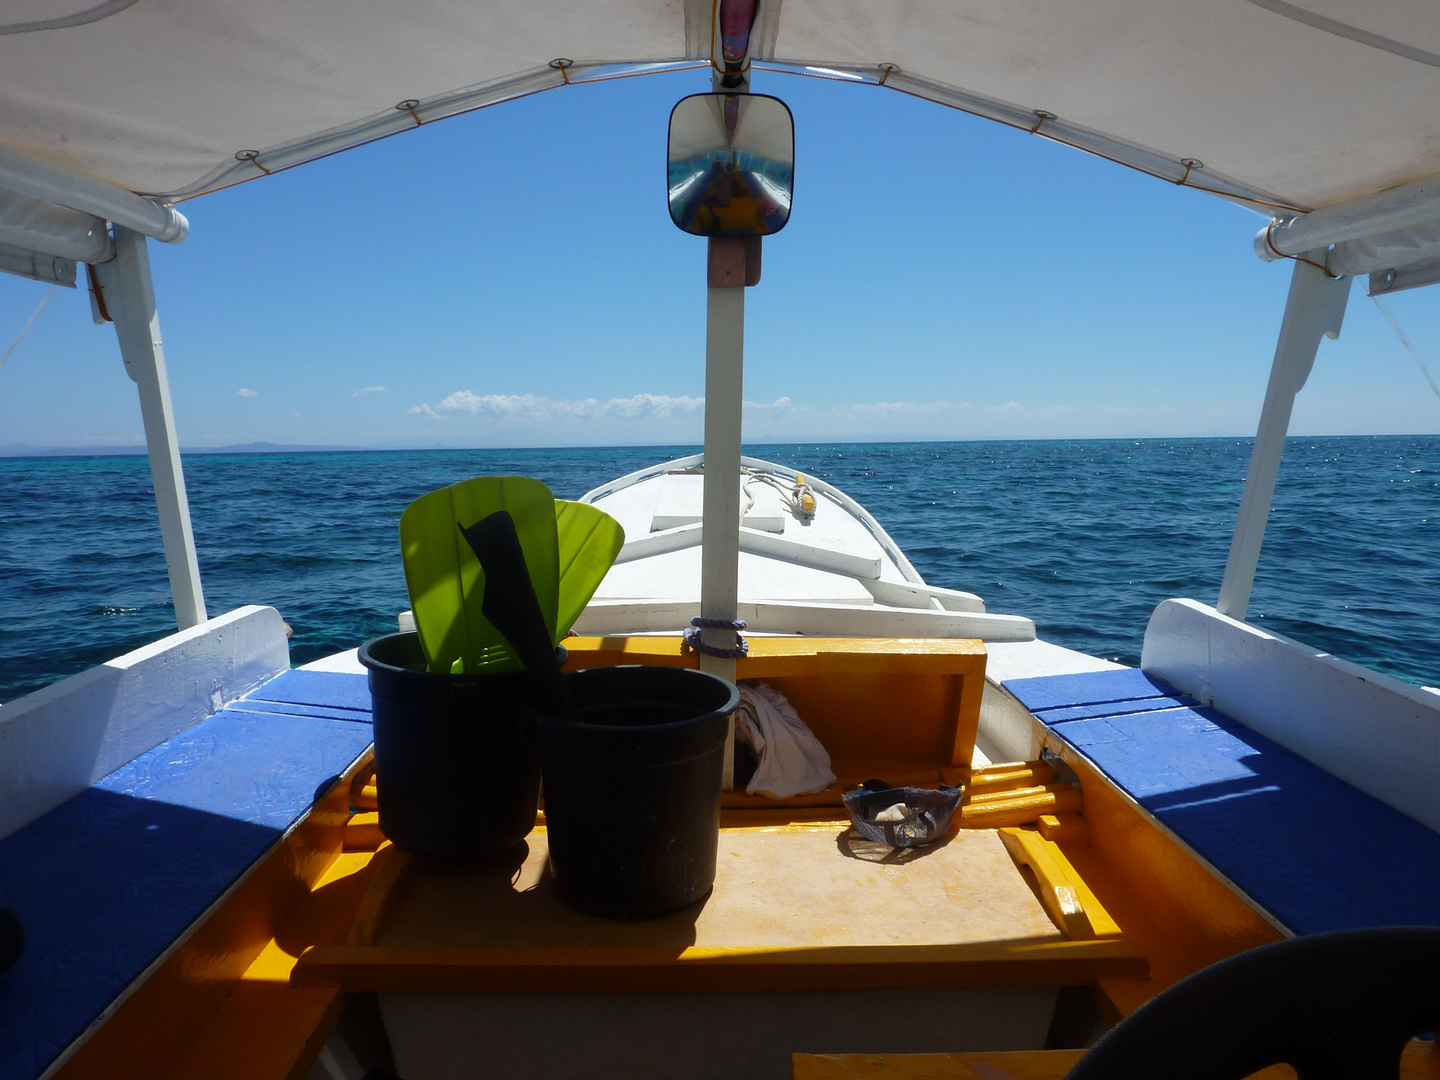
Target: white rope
(1395, 325)
(40, 310)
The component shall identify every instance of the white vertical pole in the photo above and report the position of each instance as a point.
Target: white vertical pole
(130, 300)
(720, 529)
(1315, 308)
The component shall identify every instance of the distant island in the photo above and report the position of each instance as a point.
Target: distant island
(23, 450)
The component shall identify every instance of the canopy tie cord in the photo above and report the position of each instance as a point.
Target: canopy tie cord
(50, 295)
(97, 294)
(692, 638)
(252, 156)
(889, 70)
(410, 105)
(1189, 163)
(1298, 258)
(1404, 340)
(1040, 117)
(562, 65)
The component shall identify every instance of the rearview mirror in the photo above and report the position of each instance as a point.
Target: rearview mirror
(732, 164)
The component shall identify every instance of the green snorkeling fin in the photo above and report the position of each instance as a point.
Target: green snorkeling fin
(445, 579)
(589, 541)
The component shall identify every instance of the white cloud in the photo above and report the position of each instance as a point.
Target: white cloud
(248, 393)
(369, 390)
(530, 408)
(659, 417)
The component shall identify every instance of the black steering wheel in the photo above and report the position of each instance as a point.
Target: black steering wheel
(1336, 1006)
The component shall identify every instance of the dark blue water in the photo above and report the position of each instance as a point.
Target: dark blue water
(1085, 537)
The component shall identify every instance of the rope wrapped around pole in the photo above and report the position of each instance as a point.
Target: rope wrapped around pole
(692, 638)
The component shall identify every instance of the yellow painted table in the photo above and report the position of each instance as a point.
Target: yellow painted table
(811, 937)
(795, 907)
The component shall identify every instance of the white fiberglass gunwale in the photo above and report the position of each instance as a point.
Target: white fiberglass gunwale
(820, 487)
(833, 572)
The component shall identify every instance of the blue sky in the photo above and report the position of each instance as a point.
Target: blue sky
(511, 277)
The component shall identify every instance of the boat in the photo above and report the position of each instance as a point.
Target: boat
(189, 839)
(820, 565)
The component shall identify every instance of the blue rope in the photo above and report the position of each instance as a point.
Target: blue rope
(692, 638)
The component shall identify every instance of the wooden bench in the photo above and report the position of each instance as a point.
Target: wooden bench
(109, 882)
(1312, 851)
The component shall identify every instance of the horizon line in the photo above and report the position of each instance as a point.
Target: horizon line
(24, 450)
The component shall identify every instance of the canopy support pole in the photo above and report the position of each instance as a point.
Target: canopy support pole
(728, 275)
(61, 185)
(1314, 309)
(129, 298)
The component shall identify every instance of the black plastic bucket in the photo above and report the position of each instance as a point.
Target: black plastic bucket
(632, 791)
(454, 772)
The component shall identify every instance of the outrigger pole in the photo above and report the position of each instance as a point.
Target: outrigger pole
(1314, 309)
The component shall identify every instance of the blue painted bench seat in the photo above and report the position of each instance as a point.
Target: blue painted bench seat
(1310, 849)
(106, 882)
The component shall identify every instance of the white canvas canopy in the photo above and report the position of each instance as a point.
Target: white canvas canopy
(1302, 104)
(1322, 113)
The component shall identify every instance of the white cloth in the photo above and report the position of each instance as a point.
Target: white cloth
(791, 759)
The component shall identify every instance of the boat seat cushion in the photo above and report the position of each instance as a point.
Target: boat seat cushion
(106, 882)
(1314, 852)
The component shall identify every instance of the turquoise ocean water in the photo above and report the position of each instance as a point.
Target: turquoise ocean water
(1085, 537)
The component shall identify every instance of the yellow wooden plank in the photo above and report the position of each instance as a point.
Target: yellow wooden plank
(1056, 892)
(1064, 828)
(1023, 810)
(1174, 909)
(840, 686)
(1104, 925)
(714, 969)
(967, 723)
(918, 655)
(973, 797)
(265, 1028)
(1008, 781)
(1009, 776)
(793, 908)
(266, 1031)
(362, 832)
(379, 895)
(362, 789)
(1014, 1065)
(813, 885)
(1420, 1061)
(1062, 890)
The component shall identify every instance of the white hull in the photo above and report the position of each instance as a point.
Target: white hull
(836, 573)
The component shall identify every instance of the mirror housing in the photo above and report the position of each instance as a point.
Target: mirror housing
(731, 164)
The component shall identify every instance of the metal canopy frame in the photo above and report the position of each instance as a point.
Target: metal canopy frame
(127, 295)
(52, 216)
(1314, 310)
